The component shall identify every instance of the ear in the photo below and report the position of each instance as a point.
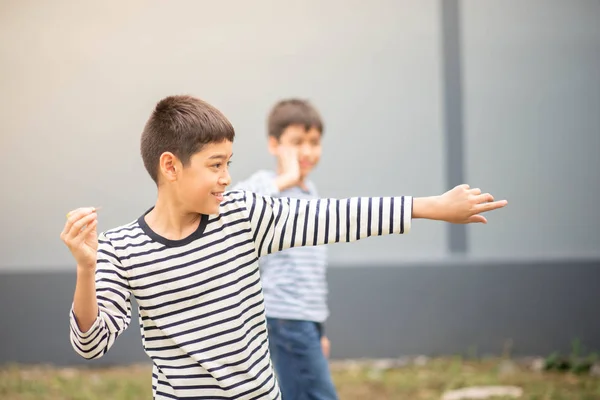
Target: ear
(169, 166)
(273, 145)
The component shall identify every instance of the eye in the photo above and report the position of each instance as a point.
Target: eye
(219, 165)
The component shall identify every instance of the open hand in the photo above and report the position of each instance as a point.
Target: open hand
(80, 236)
(463, 205)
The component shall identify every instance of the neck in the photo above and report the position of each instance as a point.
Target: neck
(169, 219)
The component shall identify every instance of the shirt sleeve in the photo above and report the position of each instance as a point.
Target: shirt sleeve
(114, 306)
(281, 223)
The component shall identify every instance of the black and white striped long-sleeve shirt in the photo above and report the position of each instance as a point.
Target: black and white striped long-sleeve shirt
(200, 301)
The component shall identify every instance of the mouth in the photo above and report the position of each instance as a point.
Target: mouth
(218, 195)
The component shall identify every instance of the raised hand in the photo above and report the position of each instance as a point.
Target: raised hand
(81, 237)
(289, 175)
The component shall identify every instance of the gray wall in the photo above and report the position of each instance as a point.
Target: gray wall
(399, 83)
(82, 83)
(531, 74)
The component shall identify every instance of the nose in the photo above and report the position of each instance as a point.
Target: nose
(225, 179)
(305, 150)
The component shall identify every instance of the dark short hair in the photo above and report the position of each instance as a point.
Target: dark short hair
(293, 111)
(182, 125)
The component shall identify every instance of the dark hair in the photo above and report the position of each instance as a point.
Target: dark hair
(293, 112)
(181, 125)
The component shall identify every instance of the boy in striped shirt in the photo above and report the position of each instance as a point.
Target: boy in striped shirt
(294, 281)
(191, 260)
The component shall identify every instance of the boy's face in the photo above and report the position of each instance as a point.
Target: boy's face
(200, 185)
(307, 142)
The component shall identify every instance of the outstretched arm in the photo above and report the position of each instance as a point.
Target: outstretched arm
(460, 205)
(281, 223)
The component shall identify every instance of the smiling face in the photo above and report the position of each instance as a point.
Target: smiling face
(199, 185)
(295, 122)
(306, 141)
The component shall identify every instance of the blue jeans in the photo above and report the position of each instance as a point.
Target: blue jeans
(301, 367)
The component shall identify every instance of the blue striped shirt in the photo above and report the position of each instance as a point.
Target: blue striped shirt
(201, 306)
(294, 281)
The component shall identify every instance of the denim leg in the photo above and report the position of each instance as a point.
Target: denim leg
(301, 367)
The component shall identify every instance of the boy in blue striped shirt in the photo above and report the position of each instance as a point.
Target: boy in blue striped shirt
(294, 281)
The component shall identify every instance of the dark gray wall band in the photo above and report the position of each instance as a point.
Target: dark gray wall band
(444, 309)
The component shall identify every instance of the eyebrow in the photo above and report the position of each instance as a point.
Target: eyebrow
(219, 156)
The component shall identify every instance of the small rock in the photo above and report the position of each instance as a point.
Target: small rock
(595, 370)
(421, 361)
(384, 364)
(483, 392)
(538, 364)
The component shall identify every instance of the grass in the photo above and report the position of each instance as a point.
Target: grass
(411, 382)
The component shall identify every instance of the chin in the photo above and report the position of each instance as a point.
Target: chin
(211, 210)
(306, 170)
(214, 211)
